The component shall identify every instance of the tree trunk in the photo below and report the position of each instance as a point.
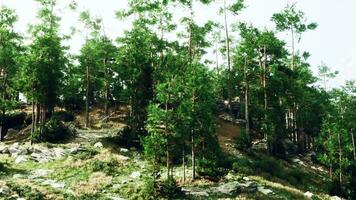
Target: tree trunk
(353, 143)
(183, 164)
(193, 158)
(33, 120)
(340, 158)
(228, 58)
(106, 109)
(265, 89)
(247, 125)
(87, 99)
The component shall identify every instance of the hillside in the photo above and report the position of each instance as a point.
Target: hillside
(95, 165)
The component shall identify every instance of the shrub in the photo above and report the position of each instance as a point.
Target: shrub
(169, 189)
(242, 141)
(53, 131)
(102, 166)
(26, 191)
(242, 165)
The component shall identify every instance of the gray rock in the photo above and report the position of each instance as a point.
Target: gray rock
(18, 176)
(264, 190)
(230, 188)
(54, 184)
(135, 175)
(98, 145)
(4, 190)
(4, 149)
(58, 152)
(248, 186)
(335, 198)
(308, 194)
(21, 159)
(40, 173)
(123, 150)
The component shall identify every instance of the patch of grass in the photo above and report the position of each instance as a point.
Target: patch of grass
(280, 171)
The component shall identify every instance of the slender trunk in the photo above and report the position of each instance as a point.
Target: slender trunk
(265, 90)
(340, 158)
(331, 171)
(193, 158)
(166, 134)
(193, 92)
(87, 99)
(228, 58)
(247, 125)
(353, 143)
(106, 109)
(33, 120)
(4, 91)
(183, 164)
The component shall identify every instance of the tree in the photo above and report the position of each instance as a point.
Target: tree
(10, 54)
(294, 21)
(235, 9)
(325, 73)
(45, 61)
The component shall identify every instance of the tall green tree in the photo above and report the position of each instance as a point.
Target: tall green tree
(10, 54)
(45, 61)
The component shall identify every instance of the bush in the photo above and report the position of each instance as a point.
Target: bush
(102, 166)
(169, 189)
(243, 165)
(242, 141)
(26, 191)
(53, 131)
(64, 116)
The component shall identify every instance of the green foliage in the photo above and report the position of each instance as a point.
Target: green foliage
(26, 191)
(109, 167)
(169, 189)
(53, 131)
(242, 141)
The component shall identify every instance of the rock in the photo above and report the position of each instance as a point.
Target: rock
(123, 158)
(4, 191)
(260, 145)
(21, 159)
(264, 190)
(194, 192)
(4, 149)
(246, 178)
(308, 194)
(54, 184)
(123, 150)
(135, 175)
(20, 198)
(18, 176)
(40, 173)
(335, 198)
(98, 145)
(249, 186)
(230, 188)
(58, 152)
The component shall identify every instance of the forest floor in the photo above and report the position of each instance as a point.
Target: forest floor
(95, 166)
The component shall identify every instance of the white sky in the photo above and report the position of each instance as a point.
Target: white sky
(334, 41)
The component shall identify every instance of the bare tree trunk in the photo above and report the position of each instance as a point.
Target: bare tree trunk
(87, 99)
(353, 143)
(340, 158)
(265, 89)
(106, 109)
(183, 164)
(228, 58)
(33, 120)
(247, 125)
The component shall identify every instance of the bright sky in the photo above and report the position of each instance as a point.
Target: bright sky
(334, 41)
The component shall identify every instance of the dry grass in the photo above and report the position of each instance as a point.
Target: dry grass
(97, 181)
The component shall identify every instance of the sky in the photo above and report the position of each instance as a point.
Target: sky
(332, 43)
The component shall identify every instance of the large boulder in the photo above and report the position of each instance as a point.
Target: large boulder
(230, 188)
